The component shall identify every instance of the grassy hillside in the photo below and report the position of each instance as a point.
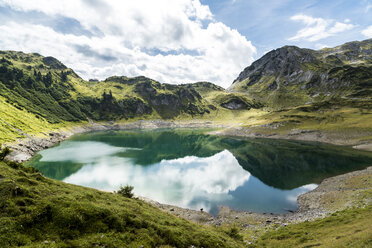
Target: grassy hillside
(36, 212)
(347, 228)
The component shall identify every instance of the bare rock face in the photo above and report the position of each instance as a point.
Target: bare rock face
(54, 63)
(171, 100)
(284, 61)
(235, 104)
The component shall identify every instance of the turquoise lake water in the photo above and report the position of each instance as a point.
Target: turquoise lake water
(188, 168)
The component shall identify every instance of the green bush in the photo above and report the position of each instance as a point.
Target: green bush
(233, 232)
(126, 191)
(4, 152)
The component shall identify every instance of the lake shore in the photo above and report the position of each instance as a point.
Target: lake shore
(332, 194)
(353, 139)
(24, 149)
(312, 205)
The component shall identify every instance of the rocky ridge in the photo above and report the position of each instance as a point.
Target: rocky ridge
(291, 76)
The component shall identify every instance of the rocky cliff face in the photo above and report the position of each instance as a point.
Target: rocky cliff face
(284, 61)
(170, 100)
(292, 76)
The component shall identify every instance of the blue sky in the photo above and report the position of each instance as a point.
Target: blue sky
(268, 23)
(176, 41)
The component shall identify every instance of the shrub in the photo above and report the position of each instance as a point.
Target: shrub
(4, 152)
(233, 232)
(126, 191)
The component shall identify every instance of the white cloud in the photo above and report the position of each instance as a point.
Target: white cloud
(367, 32)
(318, 28)
(170, 41)
(320, 46)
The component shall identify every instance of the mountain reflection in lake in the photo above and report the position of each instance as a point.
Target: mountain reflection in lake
(190, 169)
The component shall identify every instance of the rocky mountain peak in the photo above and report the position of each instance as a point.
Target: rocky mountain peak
(283, 61)
(305, 75)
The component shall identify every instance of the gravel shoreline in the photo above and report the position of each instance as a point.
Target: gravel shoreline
(335, 138)
(311, 204)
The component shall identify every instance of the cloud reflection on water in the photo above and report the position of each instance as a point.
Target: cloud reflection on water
(179, 181)
(76, 151)
(192, 182)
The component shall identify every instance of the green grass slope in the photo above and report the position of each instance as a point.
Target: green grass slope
(347, 228)
(40, 212)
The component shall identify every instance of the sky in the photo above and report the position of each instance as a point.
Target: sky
(176, 41)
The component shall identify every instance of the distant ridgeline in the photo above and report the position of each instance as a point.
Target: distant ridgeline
(286, 77)
(48, 89)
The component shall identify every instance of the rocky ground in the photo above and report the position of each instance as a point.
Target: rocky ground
(333, 194)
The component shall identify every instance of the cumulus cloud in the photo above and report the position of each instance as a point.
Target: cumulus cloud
(318, 28)
(367, 32)
(170, 41)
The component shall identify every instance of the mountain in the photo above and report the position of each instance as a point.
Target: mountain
(48, 89)
(292, 76)
(284, 89)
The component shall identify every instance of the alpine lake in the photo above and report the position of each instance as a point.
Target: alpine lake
(192, 169)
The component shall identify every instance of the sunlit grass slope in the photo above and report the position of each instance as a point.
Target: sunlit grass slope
(347, 228)
(36, 212)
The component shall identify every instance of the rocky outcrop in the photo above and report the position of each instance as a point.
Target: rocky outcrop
(235, 104)
(53, 63)
(171, 100)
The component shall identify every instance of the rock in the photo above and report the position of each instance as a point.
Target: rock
(172, 209)
(235, 104)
